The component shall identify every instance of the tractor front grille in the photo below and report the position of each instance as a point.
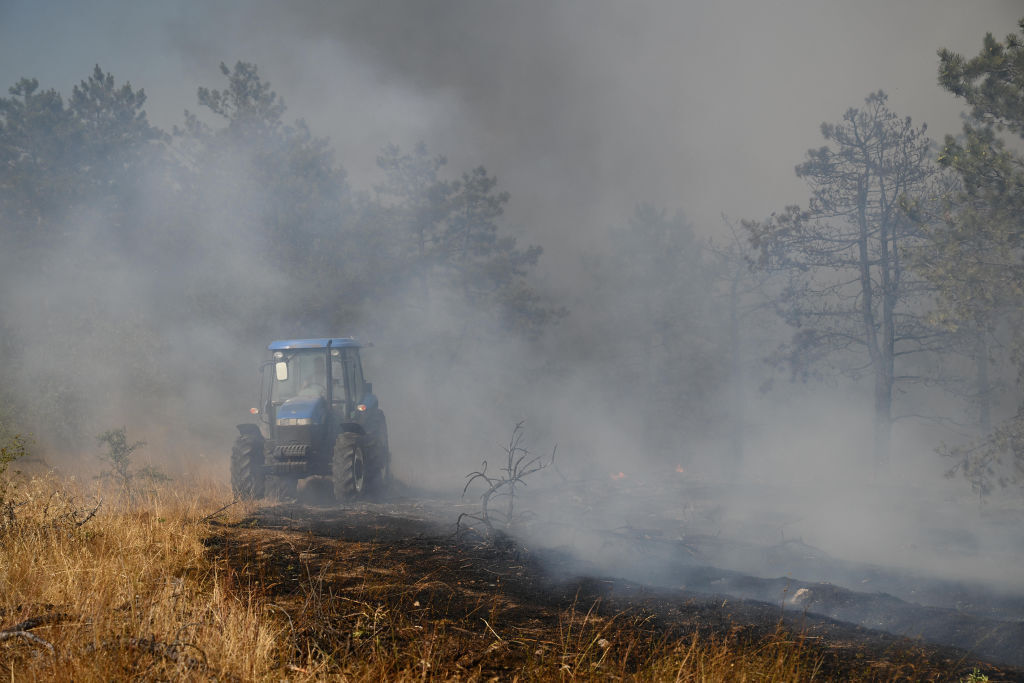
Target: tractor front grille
(296, 459)
(289, 460)
(292, 452)
(286, 469)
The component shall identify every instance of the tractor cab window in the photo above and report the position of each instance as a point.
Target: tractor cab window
(356, 375)
(347, 375)
(306, 376)
(338, 377)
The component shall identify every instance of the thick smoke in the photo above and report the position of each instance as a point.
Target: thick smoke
(583, 111)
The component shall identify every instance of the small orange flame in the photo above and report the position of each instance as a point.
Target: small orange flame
(680, 470)
(619, 475)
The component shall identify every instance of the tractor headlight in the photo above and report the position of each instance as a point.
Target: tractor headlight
(294, 421)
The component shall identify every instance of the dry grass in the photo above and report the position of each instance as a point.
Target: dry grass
(129, 592)
(150, 590)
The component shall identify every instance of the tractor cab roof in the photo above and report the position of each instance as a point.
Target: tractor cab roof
(333, 342)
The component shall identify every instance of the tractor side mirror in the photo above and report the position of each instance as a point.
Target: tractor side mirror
(281, 371)
(368, 387)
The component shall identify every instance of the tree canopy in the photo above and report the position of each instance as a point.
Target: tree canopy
(140, 244)
(975, 254)
(152, 257)
(850, 296)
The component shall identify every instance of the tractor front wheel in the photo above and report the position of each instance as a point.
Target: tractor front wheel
(349, 467)
(247, 466)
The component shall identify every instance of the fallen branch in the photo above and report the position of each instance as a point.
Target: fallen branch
(28, 624)
(31, 637)
(23, 629)
(214, 514)
(90, 515)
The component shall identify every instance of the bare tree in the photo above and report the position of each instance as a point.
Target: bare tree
(519, 464)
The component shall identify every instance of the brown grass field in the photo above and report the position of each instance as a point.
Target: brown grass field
(171, 585)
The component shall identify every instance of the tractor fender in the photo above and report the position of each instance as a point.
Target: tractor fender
(351, 427)
(249, 429)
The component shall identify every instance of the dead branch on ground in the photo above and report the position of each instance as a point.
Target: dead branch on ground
(23, 629)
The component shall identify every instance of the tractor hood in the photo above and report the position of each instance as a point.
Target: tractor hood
(309, 410)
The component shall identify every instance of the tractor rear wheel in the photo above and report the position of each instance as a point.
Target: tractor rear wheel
(349, 467)
(247, 467)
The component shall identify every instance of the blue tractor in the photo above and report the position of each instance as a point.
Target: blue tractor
(318, 417)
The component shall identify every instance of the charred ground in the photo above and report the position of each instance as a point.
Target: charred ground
(393, 586)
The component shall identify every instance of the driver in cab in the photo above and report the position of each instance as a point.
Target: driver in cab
(316, 384)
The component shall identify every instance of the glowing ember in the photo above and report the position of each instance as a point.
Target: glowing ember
(680, 470)
(620, 475)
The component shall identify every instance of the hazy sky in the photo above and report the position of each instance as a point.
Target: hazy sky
(581, 108)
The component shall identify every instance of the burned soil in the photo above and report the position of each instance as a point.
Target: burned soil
(394, 579)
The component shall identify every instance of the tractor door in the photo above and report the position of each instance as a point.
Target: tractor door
(347, 376)
(339, 396)
(355, 372)
(267, 412)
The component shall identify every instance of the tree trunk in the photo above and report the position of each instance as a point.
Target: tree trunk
(883, 421)
(879, 352)
(738, 408)
(983, 384)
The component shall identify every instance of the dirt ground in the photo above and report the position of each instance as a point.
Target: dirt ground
(373, 572)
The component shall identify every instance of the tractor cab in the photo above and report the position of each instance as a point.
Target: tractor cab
(311, 379)
(318, 417)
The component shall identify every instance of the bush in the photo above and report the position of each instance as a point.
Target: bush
(119, 458)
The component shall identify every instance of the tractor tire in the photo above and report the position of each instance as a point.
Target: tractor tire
(247, 467)
(350, 467)
(382, 473)
(382, 457)
(377, 473)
